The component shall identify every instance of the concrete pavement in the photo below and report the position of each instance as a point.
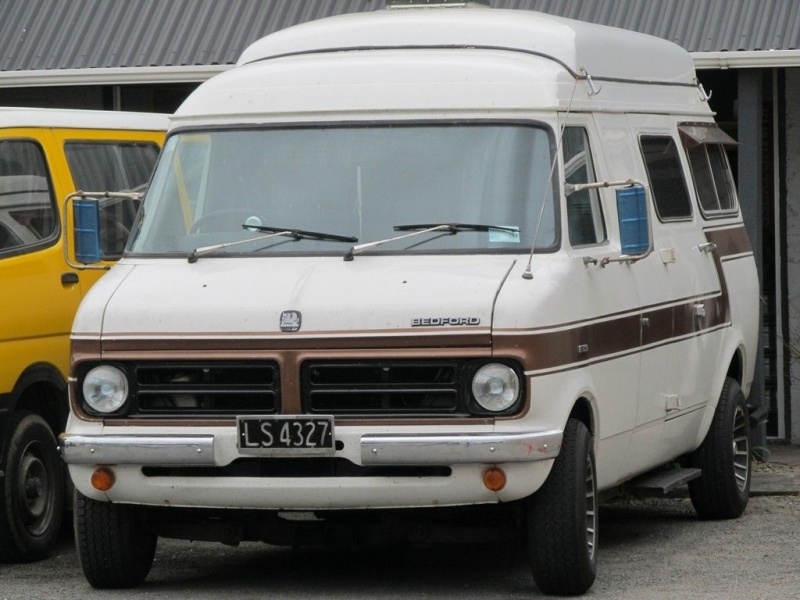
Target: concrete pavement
(779, 474)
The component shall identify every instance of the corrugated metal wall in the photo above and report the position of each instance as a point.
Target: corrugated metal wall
(69, 34)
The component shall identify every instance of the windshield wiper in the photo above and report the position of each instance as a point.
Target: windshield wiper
(198, 252)
(420, 228)
(295, 234)
(300, 234)
(455, 227)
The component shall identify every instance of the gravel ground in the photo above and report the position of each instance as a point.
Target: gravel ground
(652, 549)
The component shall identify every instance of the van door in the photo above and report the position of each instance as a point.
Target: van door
(40, 294)
(681, 308)
(610, 297)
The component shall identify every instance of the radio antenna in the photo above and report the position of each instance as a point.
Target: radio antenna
(527, 274)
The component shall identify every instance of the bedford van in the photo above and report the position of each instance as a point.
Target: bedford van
(415, 269)
(44, 155)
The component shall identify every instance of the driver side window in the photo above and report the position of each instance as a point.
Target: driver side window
(584, 212)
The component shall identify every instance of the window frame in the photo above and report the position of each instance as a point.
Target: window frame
(678, 147)
(52, 238)
(718, 140)
(595, 200)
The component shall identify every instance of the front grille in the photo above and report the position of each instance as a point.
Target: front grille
(204, 389)
(386, 388)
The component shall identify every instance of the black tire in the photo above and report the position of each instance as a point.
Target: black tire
(33, 489)
(562, 518)
(115, 545)
(722, 491)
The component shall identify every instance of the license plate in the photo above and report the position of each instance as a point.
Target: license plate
(295, 435)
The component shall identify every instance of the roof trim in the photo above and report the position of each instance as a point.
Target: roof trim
(752, 59)
(112, 76)
(746, 59)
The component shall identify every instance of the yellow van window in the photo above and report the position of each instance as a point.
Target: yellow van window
(27, 212)
(112, 167)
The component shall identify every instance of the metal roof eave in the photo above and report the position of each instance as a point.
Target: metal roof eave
(111, 76)
(747, 59)
(751, 59)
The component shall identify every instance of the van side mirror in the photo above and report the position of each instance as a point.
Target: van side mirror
(89, 228)
(633, 216)
(634, 226)
(86, 227)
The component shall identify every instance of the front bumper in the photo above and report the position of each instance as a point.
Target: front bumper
(375, 449)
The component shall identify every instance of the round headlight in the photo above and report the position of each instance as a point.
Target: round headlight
(495, 387)
(105, 389)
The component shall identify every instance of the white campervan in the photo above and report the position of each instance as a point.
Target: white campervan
(415, 258)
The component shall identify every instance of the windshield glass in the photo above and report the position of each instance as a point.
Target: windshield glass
(351, 182)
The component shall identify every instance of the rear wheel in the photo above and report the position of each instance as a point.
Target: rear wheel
(563, 519)
(32, 485)
(723, 489)
(115, 545)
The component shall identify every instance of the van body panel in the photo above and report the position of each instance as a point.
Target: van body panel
(404, 225)
(426, 296)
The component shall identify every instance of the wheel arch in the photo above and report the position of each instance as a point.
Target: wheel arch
(42, 390)
(583, 411)
(736, 369)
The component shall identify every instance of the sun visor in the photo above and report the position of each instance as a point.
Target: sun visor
(706, 134)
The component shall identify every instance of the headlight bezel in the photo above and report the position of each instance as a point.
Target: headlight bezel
(114, 373)
(514, 374)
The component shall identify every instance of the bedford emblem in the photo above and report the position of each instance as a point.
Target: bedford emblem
(291, 320)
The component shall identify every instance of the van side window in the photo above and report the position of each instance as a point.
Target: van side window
(27, 210)
(584, 213)
(713, 181)
(112, 167)
(667, 182)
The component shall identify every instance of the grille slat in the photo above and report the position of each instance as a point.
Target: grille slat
(206, 389)
(385, 388)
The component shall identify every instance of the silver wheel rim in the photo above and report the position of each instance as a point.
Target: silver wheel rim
(741, 449)
(591, 509)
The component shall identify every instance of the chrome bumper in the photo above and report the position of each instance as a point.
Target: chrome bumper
(376, 449)
(450, 449)
(173, 450)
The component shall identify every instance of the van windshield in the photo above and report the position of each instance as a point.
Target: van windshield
(215, 187)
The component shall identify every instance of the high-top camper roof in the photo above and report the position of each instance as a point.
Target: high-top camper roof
(603, 52)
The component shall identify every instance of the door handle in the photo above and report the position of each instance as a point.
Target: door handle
(707, 247)
(69, 278)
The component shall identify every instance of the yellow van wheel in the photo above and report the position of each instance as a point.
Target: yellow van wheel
(33, 489)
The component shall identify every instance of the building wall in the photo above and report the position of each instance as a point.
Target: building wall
(793, 241)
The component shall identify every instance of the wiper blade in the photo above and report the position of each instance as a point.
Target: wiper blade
(418, 229)
(295, 234)
(300, 234)
(454, 227)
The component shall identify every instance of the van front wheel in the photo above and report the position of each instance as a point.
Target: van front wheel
(32, 487)
(115, 545)
(562, 518)
(723, 489)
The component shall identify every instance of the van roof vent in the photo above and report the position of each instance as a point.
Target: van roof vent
(435, 3)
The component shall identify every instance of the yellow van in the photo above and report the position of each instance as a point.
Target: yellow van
(44, 156)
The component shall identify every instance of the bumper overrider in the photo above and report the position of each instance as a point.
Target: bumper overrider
(375, 449)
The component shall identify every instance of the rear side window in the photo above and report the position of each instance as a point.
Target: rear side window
(28, 216)
(667, 182)
(713, 181)
(584, 212)
(112, 167)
